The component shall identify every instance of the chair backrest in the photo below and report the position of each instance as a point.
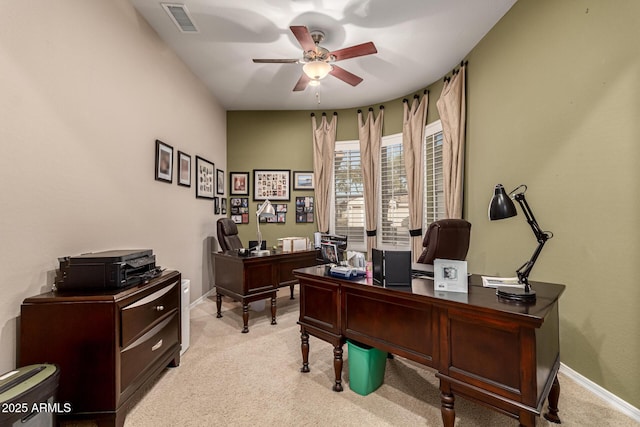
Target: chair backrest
(446, 239)
(228, 235)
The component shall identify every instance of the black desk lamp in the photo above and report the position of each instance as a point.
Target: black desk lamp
(502, 207)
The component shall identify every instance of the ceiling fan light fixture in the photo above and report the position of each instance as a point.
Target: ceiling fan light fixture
(314, 82)
(317, 70)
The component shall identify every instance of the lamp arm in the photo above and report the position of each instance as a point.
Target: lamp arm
(259, 233)
(541, 237)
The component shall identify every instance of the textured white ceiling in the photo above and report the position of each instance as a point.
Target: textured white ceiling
(418, 42)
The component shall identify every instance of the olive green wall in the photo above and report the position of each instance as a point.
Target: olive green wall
(552, 98)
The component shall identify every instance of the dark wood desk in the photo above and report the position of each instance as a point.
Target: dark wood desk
(503, 355)
(254, 278)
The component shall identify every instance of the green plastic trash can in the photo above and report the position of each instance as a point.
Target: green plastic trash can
(366, 367)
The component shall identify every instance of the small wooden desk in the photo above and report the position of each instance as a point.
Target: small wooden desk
(503, 355)
(254, 278)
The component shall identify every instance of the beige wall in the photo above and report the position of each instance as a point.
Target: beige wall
(86, 89)
(553, 103)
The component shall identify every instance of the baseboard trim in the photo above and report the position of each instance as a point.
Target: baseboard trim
(202, 298)
(613, 400)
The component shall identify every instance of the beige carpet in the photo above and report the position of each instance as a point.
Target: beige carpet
(234, 379)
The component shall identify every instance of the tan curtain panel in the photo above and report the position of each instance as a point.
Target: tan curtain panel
(413, 123)
(324, 144)
(453, 113)
(370, 136)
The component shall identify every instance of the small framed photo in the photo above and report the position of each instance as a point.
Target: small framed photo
(239, 183)
(184, 169)
(216, 205)
(204, 178)
(219, 181)
(223, 206)
(450, 275)
(271, 184)
(164, 162)
(303, 180)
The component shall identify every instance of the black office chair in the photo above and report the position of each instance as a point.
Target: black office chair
(446, 239)
(228, 235)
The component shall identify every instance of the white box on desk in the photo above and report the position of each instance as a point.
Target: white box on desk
(293, 244)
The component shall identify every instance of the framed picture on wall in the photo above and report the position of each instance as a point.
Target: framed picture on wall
(219, 181)
(304, 209)
(239, 183)
(204, 178)
(303, 180)
(223, 206)
(164, 162)
(272, 184)
(216, 205)
(184, 169)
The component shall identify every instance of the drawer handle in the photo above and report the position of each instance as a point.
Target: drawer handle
(157, 346)
(159, 307)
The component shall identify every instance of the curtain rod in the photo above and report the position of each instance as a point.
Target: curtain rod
(324, 114)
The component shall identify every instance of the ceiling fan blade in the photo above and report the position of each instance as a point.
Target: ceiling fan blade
(302, 83)
(345, 76)
(354, 51)
(276, 61)
(303, 36)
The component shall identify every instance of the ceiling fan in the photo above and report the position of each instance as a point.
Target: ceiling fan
(318, 61)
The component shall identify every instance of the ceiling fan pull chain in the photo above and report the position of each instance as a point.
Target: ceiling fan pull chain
(318, 97)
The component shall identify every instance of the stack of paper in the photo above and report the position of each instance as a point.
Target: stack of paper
(495, 282)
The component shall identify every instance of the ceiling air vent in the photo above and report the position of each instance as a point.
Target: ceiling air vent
(180, 16)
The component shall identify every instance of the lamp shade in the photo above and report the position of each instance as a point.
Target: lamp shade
(317, 70)
(266, 209)
(501, 205)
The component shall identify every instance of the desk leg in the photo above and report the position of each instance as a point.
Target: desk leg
(219, 305)
(447, 401)
(554, 396)
(304, 345)
(273, 311)
(337, 367)
(245, 317)
(291, 288)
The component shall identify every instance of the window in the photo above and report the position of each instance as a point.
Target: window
(433, 178)
(347, 216)
(393, 220)
(348, 213)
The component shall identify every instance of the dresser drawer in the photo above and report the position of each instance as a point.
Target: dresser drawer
(143, 352)
(137, 317)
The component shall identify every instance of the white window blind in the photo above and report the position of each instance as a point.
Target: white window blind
(348, 207)
(393, 217)
(433, 178)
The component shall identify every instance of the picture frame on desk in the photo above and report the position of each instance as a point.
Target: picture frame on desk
(164, 162)
(204, 178)
(271, 184)
(239, 183)
(450, 275)
(184, 169)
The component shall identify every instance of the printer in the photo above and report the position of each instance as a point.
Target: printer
(106, 270)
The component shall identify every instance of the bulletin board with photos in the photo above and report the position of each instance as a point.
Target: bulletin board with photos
(239, 207)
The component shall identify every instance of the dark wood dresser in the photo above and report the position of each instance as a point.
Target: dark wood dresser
(109, 345)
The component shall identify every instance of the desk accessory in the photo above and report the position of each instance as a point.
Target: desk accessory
(265, 209)
(501, 207)
(450, 275)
